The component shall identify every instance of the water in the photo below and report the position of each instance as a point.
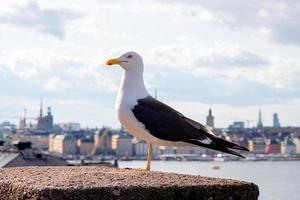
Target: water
(276, 180)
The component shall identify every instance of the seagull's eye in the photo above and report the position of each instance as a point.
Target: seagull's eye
(129, 56)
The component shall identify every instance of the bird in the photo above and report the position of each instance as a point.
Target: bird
(155, 122)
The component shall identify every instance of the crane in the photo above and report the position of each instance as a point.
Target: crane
(99, 142)
(22, 119)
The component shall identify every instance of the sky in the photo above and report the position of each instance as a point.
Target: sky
(233, 56)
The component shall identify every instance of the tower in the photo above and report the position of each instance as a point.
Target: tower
(45, 123)
(259, 122)
(210, 119)
(23, 123)
(41, 108)
(49, 111)
(276, 122)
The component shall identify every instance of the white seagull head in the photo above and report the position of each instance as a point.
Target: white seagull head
(128, 61)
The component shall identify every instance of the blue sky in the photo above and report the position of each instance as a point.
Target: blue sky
(232, 56)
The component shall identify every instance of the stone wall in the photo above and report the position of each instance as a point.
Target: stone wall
(110, 183)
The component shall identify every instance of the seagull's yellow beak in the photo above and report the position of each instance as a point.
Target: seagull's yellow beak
(113, 61)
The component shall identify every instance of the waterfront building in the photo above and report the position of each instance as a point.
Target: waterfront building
(169, 150)
(276, 122)
(257, 145)
(51, 142)
(40, 142)
(86, 146)
(296, 141)
(210, 119)
(103, 141)
(273, 146)
(141, 149)
(288, 146)
(64, 145)
(122, 145)
(191, 150)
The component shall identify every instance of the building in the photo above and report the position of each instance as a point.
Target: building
(297, 143)
(210, 119)
(51, 142)
(141, 149)
(86, 146)
(236, 127)
(169, 150)
(259, 121)
(30, 159)
(103, 141)
(25, 156)
(64, 145)
(288, 146)
(45, 123)
(6, 129)
(122, 145)
(39, 142)
(69, 127)
(276, 122)
(273, 146)
(257, 145)
(191, 150)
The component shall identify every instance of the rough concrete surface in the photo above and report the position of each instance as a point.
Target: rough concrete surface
(109, 183)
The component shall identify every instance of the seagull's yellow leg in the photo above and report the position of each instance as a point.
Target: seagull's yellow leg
(149, 157)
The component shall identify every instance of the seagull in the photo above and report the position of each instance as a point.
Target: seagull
(155, 122)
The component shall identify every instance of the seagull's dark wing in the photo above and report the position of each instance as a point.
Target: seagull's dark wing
(165, 123)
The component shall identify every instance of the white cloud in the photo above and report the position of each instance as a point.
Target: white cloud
(56, 84)
(280, 18)
(106, 83)
(227, 62)
(197, 54)
(75, 104)
(49, 21)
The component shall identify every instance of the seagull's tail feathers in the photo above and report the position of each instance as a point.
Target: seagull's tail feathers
(220, 145)
(228, 144)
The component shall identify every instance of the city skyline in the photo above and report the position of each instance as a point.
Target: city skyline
(44, 118)
(207, 55)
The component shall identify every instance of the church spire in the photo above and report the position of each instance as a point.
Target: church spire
(259, 122)
(210, 119)
(41, 107)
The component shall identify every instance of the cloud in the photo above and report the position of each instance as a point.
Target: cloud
(226, 62)
(241, 58)
(55, 84)
(48, 21)
(196, 54)
(60, 73)
(280, 18)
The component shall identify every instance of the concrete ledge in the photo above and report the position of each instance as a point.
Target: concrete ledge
(109, 183)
